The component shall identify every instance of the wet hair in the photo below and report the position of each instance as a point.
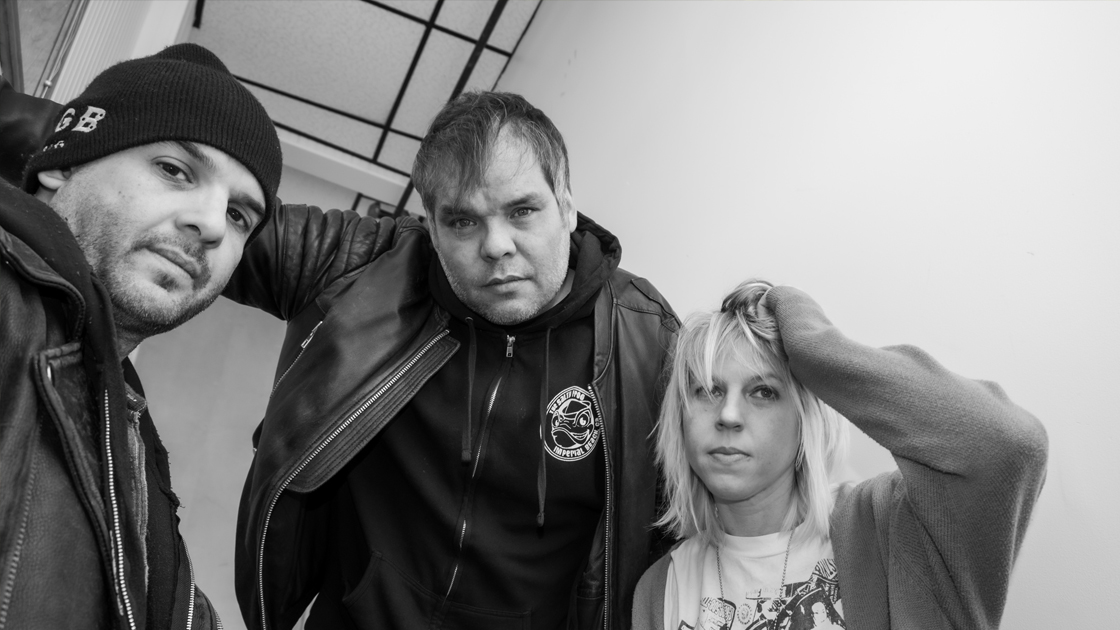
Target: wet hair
(745, 331)
(456, 151)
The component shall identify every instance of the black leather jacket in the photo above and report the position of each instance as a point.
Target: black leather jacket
(70, 555)
(25, 123)
(364, 334)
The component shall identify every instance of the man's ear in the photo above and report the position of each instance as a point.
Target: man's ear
(51, 181)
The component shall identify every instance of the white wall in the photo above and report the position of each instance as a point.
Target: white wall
(943, 174)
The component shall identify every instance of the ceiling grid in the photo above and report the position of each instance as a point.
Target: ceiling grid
(363, 77)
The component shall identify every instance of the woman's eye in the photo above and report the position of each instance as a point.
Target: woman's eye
(706, 394)
(766, 392)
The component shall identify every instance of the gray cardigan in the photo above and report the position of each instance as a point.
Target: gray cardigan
(932, 544)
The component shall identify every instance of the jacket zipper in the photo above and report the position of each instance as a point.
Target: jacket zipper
(607, 521)
(190, 598)
(116, 543)
(302, 349)
(474, 473)
(322, 445)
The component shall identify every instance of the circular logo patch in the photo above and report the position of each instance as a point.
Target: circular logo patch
(573, 432)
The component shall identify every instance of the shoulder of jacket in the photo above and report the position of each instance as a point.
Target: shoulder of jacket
(637, 294)
(28, 262)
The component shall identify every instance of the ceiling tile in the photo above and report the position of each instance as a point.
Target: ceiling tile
(351, 55)
(420, 8)
(320, 123)
(399, 151)
(435, 77)
(486, 71)
(467, 17)
(515, 18)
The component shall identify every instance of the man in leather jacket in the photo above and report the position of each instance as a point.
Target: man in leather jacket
(135, 210)
(459, 432)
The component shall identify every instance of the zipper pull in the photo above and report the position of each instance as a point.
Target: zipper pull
(509, 346)
(308, 340)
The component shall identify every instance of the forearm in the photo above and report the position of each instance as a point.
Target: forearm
(971, 462)
(903, 398)
(300, 252)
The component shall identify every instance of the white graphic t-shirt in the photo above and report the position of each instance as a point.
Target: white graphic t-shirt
(752, 572)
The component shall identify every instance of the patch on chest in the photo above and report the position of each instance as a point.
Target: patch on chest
(573, 429)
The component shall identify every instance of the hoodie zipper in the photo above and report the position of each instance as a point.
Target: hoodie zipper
(474, 473)
(116, 543)
(302, 349)
(474, 469)
(322, 445)
(607, 482)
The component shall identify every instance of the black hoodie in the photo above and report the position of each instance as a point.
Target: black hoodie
(479, 510)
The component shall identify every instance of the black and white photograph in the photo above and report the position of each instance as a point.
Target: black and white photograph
(559, 314)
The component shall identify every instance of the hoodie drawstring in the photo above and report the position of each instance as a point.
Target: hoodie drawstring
(542, 481)
(472, 355)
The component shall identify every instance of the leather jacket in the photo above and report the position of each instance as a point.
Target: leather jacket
(70, 554)
(364, 334)
(25, 123)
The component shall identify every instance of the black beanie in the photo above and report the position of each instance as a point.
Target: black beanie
(182, 93)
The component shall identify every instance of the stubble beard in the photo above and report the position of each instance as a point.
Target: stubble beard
(135, 314)
(550, 280)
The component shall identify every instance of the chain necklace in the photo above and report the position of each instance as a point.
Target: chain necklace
(778, 602)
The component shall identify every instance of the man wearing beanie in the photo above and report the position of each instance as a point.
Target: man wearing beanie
(132, 217)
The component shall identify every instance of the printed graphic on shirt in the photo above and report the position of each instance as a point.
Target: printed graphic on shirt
(810, 605)
(573, 427)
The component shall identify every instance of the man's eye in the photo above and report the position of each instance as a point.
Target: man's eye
(173, 171)
(460, 224)
(522, 213)
(242, 219)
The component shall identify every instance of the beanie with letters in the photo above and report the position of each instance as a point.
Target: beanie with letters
(183, 93)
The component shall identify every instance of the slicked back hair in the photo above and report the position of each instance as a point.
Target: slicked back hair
(457, 149)
(748, 334)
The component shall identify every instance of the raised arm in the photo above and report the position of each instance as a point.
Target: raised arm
(301, 251)
(971, 462)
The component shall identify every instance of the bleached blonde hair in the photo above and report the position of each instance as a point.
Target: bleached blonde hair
(748, 333)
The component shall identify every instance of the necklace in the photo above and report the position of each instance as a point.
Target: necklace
(777, 603)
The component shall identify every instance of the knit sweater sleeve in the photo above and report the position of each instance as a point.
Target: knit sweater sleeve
(971, 462)
(649, 596)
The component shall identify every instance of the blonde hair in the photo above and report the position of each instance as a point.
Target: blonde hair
(744, 330)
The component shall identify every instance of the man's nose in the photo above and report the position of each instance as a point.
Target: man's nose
(204, 215)
(498, 242)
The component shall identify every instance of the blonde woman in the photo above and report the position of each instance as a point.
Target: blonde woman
(748, 436)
